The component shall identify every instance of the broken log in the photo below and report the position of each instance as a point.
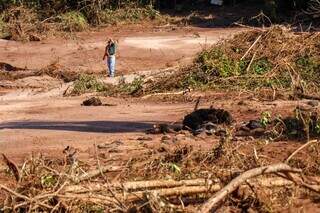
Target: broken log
(96, 173)
(235, 183)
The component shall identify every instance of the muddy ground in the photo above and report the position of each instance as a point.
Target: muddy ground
(140, 48)
(37, 101)
(36, 118)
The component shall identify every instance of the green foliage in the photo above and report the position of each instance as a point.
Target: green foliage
(261, 66)
(128, 15)
(268, 66)
(317, 127)
(48, 181)
(308, 67)
(73, 21)
(265, 118)
(77, 15)
(214, 62)
(173, 167)
(92, 208)
(308, 64)
(87, 83)
(3, 28)
(133, 88)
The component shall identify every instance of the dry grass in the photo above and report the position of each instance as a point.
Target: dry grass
(54, 183)
(23, 24)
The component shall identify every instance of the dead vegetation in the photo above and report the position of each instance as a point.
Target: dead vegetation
(184, 170)
(28, 23)
(11, 73)
(22, 24)
(275, 58)
(162, 178)
(172, 173)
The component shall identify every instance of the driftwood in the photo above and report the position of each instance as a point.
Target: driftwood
(235, 183)
(156, 184)
(98, 193)
(96, 173)
(139, 195)
(139, 190)
(137, 185)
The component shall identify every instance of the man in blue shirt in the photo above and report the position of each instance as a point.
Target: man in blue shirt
(110, 55)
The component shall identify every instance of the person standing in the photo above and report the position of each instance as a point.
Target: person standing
(110, 56)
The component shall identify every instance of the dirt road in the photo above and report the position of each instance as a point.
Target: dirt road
(139, 48)
(43, 121)
(34, 121)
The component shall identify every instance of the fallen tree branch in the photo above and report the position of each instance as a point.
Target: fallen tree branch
(139, 195)
(136, 185)
(299, 149)
(254, 43)
(30, 200)
(251, 61)
(235, 183)
(97, 172)
(310, 97)
(249, 27)
(157, 184)
(300, 181)
(163, 184)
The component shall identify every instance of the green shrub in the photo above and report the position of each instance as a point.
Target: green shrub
(133, 88)
(215, 63)
(20, 23)
(309, 69)
(128, 15)
(4, 32)
(87, 83)
(73, 21)
(261, 66)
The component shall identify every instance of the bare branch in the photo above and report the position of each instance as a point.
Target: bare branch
(235, 183)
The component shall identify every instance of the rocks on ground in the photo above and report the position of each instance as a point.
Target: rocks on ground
(8, 67)
(93, 101)
(197, 119)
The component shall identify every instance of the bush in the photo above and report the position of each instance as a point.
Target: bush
(87, 83)
(73, 21)
(20, 23)
(133, 88)
(128, 15)
(280, 59)
(4, 31)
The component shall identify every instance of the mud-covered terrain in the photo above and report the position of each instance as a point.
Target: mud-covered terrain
(55, 139)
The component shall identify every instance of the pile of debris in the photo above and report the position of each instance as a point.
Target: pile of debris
(22, 24)
(177, 176)
(275, 58)
(54, 70)
(183, 178)
(304, 124)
